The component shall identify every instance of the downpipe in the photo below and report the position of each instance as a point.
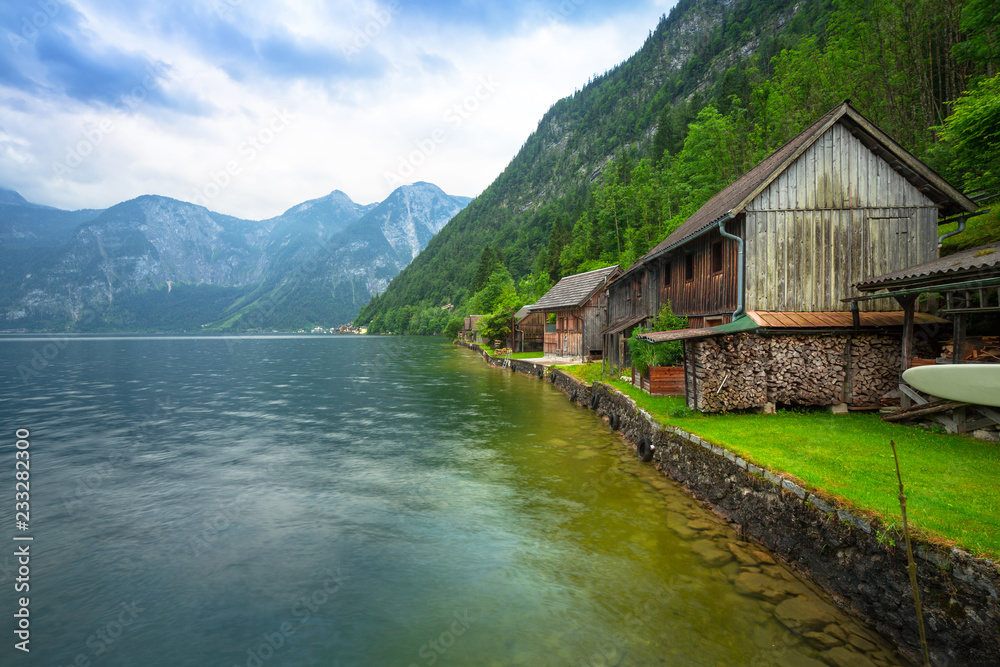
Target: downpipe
(740, 267)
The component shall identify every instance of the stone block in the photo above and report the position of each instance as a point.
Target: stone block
(839, 409)
(821, 504)
(794, 488)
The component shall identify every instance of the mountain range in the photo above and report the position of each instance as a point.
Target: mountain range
(156, 263)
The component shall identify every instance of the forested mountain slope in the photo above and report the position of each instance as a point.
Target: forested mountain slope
(613, 169)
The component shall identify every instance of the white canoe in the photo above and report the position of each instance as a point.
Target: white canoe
(969, 383)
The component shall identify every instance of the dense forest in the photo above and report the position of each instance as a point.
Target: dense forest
(612, 170)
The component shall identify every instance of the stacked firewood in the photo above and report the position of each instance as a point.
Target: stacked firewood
(747, 370)
(875, 362)
(983, 349)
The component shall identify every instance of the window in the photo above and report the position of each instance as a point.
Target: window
(713, 321)
(666, 274)
(717, 257)
(638, 288)
(689, 267)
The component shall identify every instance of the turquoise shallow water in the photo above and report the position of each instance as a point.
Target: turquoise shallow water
(350, 501)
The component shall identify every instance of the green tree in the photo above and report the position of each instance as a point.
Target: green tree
(971, 137)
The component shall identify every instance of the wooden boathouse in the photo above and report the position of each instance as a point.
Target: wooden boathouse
(577, 305)
(763, 269)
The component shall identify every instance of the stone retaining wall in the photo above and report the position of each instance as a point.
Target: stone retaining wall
(847, 554)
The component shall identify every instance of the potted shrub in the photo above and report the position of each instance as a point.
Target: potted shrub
(657, 366)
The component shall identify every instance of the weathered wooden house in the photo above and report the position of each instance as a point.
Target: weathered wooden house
(577, 303)
(470, 330)
(763, 269)
(529, 330)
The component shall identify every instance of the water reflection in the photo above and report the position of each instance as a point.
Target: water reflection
(361, 501)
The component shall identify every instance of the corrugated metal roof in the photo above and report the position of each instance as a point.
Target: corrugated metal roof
(735, 197)
(756, 319)
(983, 261)
(574, 291)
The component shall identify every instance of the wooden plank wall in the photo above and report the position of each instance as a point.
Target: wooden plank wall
(707, 294)
(837, 216)
(621, 301)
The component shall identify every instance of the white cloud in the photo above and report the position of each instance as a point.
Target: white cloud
(347, 131)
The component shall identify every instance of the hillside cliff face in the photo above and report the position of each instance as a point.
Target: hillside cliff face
(159, 263)
(701, 50)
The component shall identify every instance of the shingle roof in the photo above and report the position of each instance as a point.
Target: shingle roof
(984, 261)
(574, 291)
(732, 199)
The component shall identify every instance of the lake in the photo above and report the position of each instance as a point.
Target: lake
(347, 500)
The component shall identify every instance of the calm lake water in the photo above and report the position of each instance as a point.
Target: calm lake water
(352, 501)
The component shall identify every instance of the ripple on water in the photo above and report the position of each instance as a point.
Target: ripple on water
(220, 486)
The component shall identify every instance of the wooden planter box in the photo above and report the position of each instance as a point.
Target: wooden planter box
(661, 380)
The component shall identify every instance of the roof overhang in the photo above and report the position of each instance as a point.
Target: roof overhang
(621, 325)
(793, 322)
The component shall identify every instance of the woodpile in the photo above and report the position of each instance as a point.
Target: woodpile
(984, 349)
(748, 370)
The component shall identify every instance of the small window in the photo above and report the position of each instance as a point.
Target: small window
(689, 267)
(713, 321)
(666, 274)
(638, 288)
(717, 257)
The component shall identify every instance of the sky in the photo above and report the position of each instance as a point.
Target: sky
(250, 107)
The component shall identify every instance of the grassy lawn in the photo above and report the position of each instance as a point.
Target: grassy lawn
(980, 230)
(517, 355)
(953, 495)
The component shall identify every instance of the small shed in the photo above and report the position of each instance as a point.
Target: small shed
(789, 358)
(965, 287)
(529, 330)
(578, 305)
(469, 333)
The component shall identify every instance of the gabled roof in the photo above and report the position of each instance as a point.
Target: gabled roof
(732, 199)
(983, 262)
(574, 291)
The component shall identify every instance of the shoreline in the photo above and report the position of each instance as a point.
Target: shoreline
(833, 546)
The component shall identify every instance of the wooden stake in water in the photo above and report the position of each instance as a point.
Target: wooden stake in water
(911, 565)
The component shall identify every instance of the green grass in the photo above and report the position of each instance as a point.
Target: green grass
(979, 231)
(951, 481)
(517, 355)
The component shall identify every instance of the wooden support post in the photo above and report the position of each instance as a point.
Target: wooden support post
(855, 315)
(958, 338)
(960, 421)
(907, 302)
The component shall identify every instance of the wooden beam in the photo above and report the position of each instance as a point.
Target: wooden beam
(959, 325)
(922, 411)
(913, 394)
(907, 302)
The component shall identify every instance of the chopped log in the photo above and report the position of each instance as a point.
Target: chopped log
(922, 410)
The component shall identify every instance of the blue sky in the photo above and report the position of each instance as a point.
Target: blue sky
(249, 107)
